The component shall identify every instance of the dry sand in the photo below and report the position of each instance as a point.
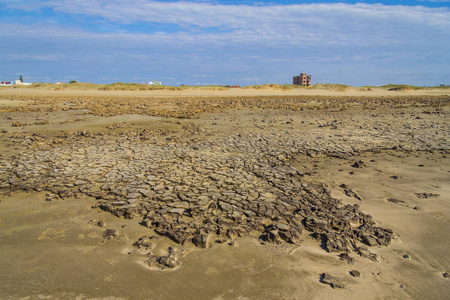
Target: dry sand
(225, 93)
(56, 250)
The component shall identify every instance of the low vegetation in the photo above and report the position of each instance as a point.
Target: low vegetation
(120, 86)
(117, 86)
(279, 87)
(402, 87)
(332, 87)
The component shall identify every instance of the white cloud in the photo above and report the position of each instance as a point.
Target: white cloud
(239, 40)
(26, 5)
(436, 1)
(288, 17)
(34, 57)
(307, 24)
(204, 15)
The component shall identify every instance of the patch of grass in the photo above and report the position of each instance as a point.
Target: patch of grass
(82, 86)
(401, 87)
(365, 88)
(332, 87)
(278, 87)
(38, 85)
(119, 86)
(63, 86)
(205, 87)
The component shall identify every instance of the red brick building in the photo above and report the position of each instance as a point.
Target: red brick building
(303, 80)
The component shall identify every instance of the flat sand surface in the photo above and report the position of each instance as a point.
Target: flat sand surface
(224, 93)
(57, 158)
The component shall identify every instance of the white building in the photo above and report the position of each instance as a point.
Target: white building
(20, 82)
(154, 82)
(6, 83)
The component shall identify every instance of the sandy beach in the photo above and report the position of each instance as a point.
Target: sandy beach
(224, 92)
(235, 194)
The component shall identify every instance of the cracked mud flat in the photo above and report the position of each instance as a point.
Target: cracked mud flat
(236, 203)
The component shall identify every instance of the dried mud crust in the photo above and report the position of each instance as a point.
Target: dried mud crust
(216, 189)
(209, 191)
(194, 107)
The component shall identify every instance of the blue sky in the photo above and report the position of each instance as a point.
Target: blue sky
(226, 42)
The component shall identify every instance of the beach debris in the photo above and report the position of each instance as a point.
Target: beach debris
(109, 234)
(358, 164)
(366, 253)
(332, 124)
(355, 273)
(164, 262)
(144, 242)
(394, 200)
(347, 258)
(51, 197)
(426, 195)
(118, 125)
(350, 192)
(333, 281)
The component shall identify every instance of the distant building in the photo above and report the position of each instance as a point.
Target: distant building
(20, 81)
(303, 80)
(154, 82)
(17, 82)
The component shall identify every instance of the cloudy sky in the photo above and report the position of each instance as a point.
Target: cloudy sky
(225, 42)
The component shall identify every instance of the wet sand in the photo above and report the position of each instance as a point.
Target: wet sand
(56, 249)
